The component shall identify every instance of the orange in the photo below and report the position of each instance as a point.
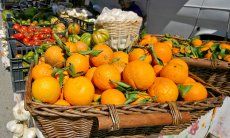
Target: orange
(72, 47)
(140, 54)
(90, 73)
(41, 60)
(78, 91)
(163, 52)
(157, 69)
(103, 76)
(61, 101)
(197, 92)
(197, 42)
(176, 70)
(227, 58)
(164, 90)
(41, 70)
(80, 62)
(169, 43)
(113, 96)
(54, 56)
(81, 46)
(96, 97)
(175, 50)
(189, 80)
(104, 57)
(148, 40)
(46, 89)
(139, 74)
(208, 55)
(207, 46)
(225, 46)
(120, 56)
(120, 66)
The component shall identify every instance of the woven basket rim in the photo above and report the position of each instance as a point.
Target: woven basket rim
(206, 63)
(139, 19)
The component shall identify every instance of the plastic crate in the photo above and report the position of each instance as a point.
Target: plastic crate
(17, 70)
(84, 25)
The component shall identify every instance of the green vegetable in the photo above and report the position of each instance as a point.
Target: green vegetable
(5, 13)
(30, 12)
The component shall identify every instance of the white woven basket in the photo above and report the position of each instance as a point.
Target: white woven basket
(122, 34)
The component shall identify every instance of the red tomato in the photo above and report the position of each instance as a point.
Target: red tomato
(46, 30)
(35, 37)
(23, 29)
(31, 29)
(41, 36)
(26, 40)
(18, 36)
(30, 43)
(16, 26)
(37, 43)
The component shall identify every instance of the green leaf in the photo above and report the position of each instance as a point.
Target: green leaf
(36, 58)
(61, 78)
(95, 53)
(214, 47)
(36, 100)
(143, 57)
(222, 52)
(131, 97)
(184, 89)
(145, 100)
(72, 70)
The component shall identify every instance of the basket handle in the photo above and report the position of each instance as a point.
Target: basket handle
(176, 115)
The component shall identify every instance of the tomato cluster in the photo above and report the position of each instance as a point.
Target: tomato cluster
(33, 35)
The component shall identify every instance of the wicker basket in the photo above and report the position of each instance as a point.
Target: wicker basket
(122, 34)
(216, 73)
(84, 121)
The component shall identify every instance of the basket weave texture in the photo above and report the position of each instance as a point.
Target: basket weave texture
(81, 121)
(122, 34)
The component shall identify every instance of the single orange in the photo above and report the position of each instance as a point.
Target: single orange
(169, 43)
(54, 56)
(89, 74)
(79, 91)
(79, 62)
(140, 54)
(113, 96)
(197, 92)
(120, 56)
(139, 74)
(164, 90)
(176, 70)
(148, 40)
(61, 101)
(72, 47)
(189, 80)
(46, 89)
(104, 57)
(163, 52)
(103, 76)
(157, 69)
(81, 46)
(207, 46)
(41, 70)
(197, 42)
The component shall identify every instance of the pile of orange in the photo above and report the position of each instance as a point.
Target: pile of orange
(109, 77)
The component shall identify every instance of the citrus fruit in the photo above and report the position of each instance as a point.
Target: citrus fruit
(157, 69)
(139, 74)
(104, 57)
(113, 97)
(189, 80)
(197, 92)
(79, 62)
(103, 76)
(163, 90)
(176, 70)
(78, 91)
(140, 54)
(197, 42)
(46, 89)
(72, 47)
(81, 46)
(89, 74)
(54, 56)
(120, 56)
(148, 40)
(163, 52)
(41, 70)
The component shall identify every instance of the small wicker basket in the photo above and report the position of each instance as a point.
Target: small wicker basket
(84, 121)
(122, 34)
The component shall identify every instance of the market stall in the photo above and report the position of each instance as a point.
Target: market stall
(87, 76)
